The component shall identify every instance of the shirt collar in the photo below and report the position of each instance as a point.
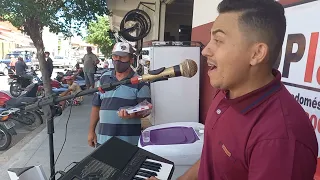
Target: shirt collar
(251, 100)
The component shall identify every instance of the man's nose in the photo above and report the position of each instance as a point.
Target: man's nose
(206, 51)
(116, 58)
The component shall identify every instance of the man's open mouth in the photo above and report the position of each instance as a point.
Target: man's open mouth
(212, 67)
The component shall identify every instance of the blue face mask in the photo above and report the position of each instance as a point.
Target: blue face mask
(120, 66)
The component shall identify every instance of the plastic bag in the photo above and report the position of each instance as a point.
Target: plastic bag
(144, 108)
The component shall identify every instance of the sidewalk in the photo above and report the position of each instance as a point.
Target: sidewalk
(36, 152)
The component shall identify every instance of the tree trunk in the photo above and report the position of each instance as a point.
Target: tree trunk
(43, 68)
(34, 29)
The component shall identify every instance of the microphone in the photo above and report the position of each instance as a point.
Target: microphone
(187, 68)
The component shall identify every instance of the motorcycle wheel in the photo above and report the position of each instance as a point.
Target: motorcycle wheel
(34, 118)
(5, 136)
(5, 71)
(15, 89)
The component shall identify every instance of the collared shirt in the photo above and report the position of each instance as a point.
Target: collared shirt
(263, 135)
(110, 102)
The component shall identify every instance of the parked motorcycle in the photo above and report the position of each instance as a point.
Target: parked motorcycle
(78, 79)
(18, 83)
(6, 132)
(12, 113)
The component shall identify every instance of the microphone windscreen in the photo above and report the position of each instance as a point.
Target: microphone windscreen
(189, 68)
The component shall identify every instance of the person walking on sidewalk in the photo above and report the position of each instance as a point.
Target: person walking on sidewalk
(49, 63)
(115, 121)
(89, 67)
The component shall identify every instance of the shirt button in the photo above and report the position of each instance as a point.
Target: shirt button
(218, 111)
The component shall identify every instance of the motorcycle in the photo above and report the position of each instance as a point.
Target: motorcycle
(19, 83)
(78, 79)
(12, 113)
(6, 132)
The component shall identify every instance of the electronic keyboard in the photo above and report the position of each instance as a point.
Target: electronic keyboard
(120, 160)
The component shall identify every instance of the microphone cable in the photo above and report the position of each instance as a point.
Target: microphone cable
(65, 135)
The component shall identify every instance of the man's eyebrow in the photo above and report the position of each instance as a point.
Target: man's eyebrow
(213, 32)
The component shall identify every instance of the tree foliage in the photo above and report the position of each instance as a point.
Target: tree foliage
(65, 16)
(98, 35)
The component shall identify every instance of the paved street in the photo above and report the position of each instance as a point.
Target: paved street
(20, 130)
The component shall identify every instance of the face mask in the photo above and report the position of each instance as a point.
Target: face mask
(121, 67)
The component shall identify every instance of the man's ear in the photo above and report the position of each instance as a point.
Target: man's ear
(259, 53)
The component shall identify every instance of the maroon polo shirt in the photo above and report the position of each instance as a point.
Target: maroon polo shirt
(263, 135)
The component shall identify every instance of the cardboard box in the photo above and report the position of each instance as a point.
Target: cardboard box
(145, 122)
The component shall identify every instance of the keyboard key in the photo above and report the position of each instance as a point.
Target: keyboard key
(162, 172)
(154, 163)
(144, 174)
(149, 172)
(151, 168)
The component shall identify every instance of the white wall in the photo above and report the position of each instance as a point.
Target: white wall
(205, 11)
(51, 43)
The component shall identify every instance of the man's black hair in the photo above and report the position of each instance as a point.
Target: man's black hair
(264, 18)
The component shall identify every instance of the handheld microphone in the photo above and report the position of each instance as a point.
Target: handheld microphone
(187, 68)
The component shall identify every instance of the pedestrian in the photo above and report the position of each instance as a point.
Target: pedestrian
(89, 67)
(49, 63)
(109, 108)
(13, 61)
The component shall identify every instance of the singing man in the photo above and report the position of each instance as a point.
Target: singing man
(255, 129)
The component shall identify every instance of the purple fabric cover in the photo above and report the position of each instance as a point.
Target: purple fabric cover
(171, 135)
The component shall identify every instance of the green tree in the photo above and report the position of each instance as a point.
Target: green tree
(65, 16)
(98, 35)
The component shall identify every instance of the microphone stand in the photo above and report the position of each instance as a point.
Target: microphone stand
(51, 110)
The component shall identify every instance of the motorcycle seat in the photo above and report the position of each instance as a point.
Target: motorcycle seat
(18, 76)
(14, 76)
(20, 101)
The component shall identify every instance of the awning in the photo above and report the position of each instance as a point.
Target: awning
(4, 28)
(2, 37)
(16, 37)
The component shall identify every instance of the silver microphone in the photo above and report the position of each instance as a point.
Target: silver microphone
(187, 68)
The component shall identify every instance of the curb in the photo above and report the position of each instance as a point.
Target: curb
(5, 157)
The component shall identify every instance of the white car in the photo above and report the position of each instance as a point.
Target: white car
(60, 61)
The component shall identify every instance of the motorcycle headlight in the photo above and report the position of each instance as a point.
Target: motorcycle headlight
(34, 80)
